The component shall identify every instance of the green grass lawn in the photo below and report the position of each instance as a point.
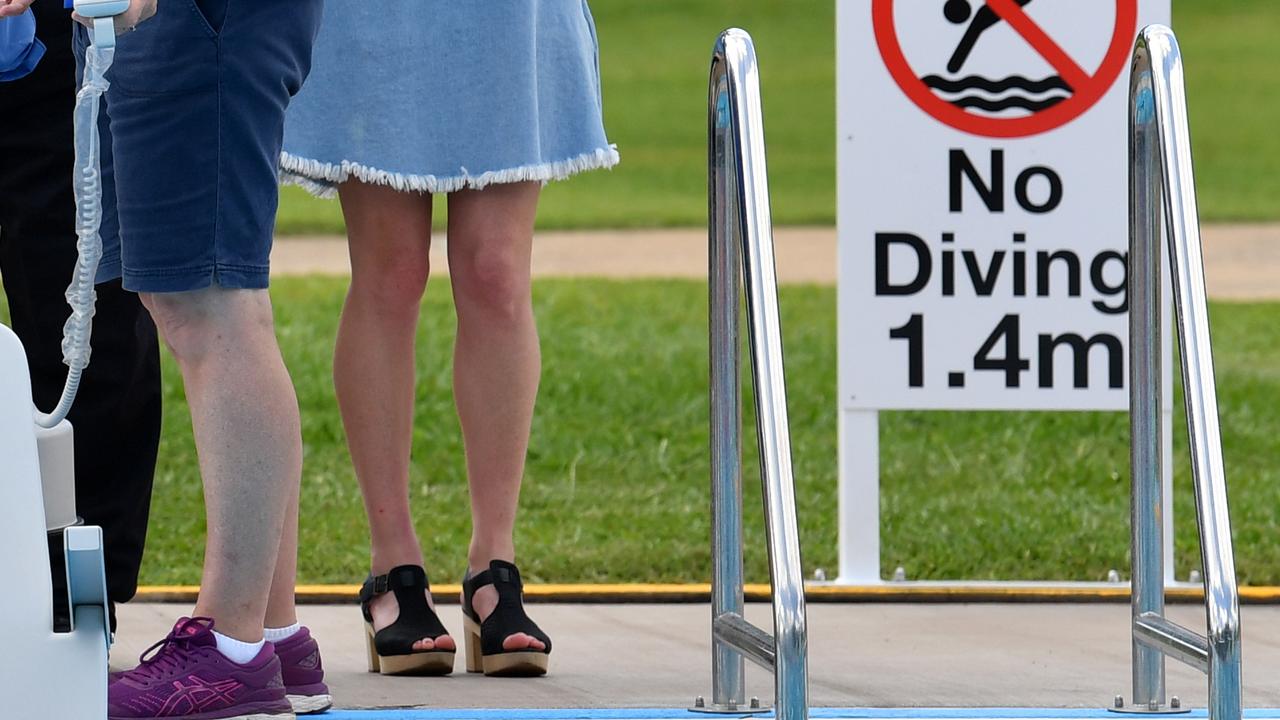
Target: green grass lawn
(617, 482)
(654, 57)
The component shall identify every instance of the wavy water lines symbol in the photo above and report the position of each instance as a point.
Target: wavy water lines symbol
(995, 96)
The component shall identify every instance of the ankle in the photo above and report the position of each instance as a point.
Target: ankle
(232, 625)
(478, 558)
(382, 561)
(284, 618)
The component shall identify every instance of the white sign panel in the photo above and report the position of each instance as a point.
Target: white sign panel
(983, 221)
(983, 202)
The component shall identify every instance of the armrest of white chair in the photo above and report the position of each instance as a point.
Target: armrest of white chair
(86, 574)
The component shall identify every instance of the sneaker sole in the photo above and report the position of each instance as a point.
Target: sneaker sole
(307, 704)
(251, 716)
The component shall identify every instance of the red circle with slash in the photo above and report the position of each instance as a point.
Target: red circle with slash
(1086, 89)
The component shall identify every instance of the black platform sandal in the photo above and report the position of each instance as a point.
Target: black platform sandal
(391, 648)
(484, 640)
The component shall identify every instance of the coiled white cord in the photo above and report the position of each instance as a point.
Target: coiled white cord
(87, 184)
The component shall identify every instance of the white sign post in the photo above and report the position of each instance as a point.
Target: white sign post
(983, 221)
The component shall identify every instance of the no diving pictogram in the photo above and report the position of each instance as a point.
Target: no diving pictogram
(1050, 102)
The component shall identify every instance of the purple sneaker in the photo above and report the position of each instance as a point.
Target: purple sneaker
(303, 673)
(188, 679)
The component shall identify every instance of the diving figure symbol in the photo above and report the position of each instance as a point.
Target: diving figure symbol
(990, 95)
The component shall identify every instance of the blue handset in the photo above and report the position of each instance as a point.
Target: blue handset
(102, 12)
(100, 8)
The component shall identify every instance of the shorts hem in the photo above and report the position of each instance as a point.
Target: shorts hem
(231, 277)
(321, 178)
(108, 269)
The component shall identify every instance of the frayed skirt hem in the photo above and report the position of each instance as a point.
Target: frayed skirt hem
(321, 179)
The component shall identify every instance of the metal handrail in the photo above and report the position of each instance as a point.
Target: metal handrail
(741, 241)
(1160, 160)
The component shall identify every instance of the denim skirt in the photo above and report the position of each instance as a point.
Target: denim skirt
(441, 95)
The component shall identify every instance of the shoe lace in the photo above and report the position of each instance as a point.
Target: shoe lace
(167, 655)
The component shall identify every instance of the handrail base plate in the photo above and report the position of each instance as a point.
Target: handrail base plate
(753, 707)
(736, 710)
(1140, 710)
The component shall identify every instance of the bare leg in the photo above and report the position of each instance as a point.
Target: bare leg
(281, 610)
(389, 236)
(245, 416)
(496, 365)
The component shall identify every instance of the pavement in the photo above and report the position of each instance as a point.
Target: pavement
(860, 655)
(1242, 262)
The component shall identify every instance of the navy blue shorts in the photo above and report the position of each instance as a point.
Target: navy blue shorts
(192, 131)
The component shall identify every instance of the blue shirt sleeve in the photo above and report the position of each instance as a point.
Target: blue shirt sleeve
(20, 50)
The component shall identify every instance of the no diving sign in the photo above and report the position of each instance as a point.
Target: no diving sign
(983, 220)
(1045, 76)
(983, 202)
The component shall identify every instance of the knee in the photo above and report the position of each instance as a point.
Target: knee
(493, 281)
(193, 323)
(175, 323)
(394, 287)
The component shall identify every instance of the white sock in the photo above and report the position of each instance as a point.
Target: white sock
(235, 650)
(275, 635)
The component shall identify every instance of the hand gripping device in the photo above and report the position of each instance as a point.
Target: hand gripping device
(102, 13)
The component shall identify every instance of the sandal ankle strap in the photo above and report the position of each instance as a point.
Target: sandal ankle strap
(499, 572)
(401, 577)
(504, 576)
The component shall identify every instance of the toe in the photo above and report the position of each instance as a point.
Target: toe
(442, 643)
(522, 641)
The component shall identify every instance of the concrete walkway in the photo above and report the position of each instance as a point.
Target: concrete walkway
(1242, 262)
(860, 655)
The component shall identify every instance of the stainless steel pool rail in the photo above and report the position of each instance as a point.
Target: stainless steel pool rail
(741, 241)
(1160, 178)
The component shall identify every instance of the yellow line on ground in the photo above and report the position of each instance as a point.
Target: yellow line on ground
(701, 592)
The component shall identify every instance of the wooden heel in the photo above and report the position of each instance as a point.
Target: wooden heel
(475, 657)
(374, 665)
